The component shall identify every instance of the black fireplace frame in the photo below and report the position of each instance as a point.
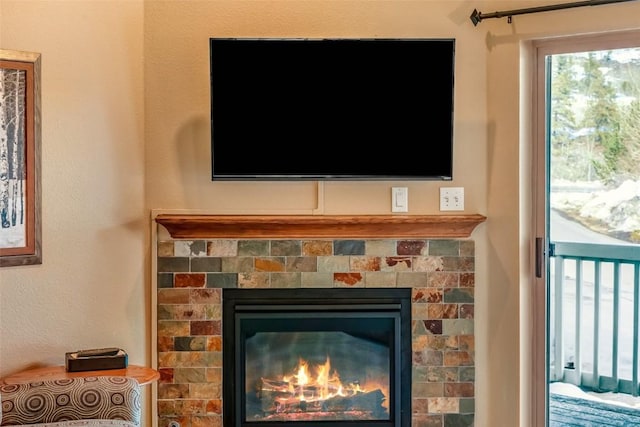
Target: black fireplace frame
(235, 301)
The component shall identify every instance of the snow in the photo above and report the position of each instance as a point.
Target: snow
(620, 399)
(617, 209)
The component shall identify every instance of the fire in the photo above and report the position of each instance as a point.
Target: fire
(317, 391)
(313, 383)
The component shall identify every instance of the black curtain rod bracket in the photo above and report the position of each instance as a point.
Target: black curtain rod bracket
(476, 16)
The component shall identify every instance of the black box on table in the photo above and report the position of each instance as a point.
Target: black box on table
(93, 360)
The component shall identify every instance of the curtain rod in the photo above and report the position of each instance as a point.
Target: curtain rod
(476, 16)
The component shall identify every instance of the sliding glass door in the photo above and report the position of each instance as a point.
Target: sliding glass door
(587, 177)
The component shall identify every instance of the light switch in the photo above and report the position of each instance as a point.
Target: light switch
(399, 199)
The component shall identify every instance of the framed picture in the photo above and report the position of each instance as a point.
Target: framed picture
(20, 138)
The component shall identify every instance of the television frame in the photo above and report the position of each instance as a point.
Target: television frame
(274, 157)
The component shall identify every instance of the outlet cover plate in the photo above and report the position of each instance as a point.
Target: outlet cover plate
(452, 198)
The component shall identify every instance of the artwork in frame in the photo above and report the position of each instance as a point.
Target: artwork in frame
(20, 139)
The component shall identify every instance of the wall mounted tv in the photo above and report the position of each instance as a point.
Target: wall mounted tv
(331, 109)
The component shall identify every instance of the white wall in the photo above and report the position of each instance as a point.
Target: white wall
(126, 130)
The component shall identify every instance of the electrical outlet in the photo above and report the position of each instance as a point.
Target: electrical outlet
(451, 198)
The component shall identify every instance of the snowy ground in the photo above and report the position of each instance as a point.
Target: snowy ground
(612, 211)
(622, 399)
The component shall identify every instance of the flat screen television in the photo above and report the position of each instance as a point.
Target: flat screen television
(332, 109)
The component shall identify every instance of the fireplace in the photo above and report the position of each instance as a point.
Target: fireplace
(310, 357)
(199, 256)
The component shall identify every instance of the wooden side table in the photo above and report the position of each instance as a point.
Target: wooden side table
(142, 374)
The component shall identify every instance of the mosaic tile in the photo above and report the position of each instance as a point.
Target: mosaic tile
(165, 280)
(467, 342)
(384, 247)
(173, 391)
(285, 280)
(300, 264)
(222, 280)
(433, 326)
(166, 375)
(420, 406)
(362, 263)
(214, 406)
(205, 327)
(253, 280)
(467, 406)
(458, 420)
(411, 247)
(467, 248)
(430, 295)
(270, 264)
(201, 390)
(427, 420)
(205, 421)
(442, 311)
(190, 344)
(467, 373)
(214, 343)
(172, 265)
(173, 328)
(458, 389)
(237, 265)
(348, 247)
(189, 280)
(182, 248)
(467, 280)
(191, 406)
(444, 247)
(443, 279)
(214, 375)
(164, 344)
(348, 279)
(189, 375)
(205, 296)
(333, 264)
(165, 249)
(459, 295)
(411, 280)
(317, 247)
(380, 279)
(286, 248)
(397, 263)
(253, 248)
(222, 248)
(444, 405)
(428, 390)
(208, 264)
(458, 326)
(319, 280)
(419, 312)
(182, 312)
(457, 358)
(428, 263)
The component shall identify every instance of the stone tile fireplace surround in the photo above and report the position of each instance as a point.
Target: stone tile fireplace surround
(198, 255)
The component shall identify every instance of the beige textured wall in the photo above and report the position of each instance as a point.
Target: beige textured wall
(125, 130)
(92, 289)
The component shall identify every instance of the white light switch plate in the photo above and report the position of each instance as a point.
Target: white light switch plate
(399, 199)
(452, 198)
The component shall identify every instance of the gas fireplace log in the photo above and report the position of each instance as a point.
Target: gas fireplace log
(278, 402)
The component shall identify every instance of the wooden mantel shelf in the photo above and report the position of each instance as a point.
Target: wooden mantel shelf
(319, 226)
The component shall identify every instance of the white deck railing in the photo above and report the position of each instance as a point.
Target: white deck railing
(594, 316)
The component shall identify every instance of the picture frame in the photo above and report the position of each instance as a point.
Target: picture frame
(20, 144)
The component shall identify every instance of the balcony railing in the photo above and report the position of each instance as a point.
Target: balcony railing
(595, 316)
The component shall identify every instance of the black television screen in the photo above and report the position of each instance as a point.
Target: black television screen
(332, 109)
